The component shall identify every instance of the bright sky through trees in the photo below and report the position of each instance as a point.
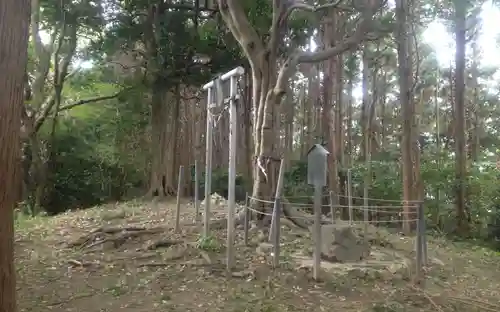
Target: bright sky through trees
(443, 43)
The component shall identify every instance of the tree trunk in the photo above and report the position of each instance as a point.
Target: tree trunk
(38, 171)
(474, 143)
(267, 158)
(14, 23)
(460, 151)
(304, 125)
(330, 103)
(383, 118)
(407, 109)
(270, 78)
(310, 98)
(351, 74)
(244, 160)
(365, 105)
(164, 127)
(289, 129)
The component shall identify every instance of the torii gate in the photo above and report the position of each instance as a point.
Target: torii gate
(214, 87)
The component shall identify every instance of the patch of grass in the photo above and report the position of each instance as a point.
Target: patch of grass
(117, 290)
(209, 243)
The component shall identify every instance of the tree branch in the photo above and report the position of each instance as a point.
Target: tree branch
(361, 34)
(94, 100)
(233, 14)
(300, 5)
(61, 72)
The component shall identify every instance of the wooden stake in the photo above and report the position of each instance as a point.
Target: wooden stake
(179, 195)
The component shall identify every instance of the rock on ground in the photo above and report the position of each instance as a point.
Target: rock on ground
(340, 244)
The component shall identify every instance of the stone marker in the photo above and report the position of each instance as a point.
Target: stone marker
(340, 244)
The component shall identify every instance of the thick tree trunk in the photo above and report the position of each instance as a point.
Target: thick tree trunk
(270, 79)
(244, 160)
(330, 104)
(267, 156)
(162, 145)
(14, 23)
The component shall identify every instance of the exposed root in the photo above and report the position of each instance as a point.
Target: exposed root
(119, 235)
(293, 218)
(297, 217)
(69, 299)
(220, 224)
(289, 223)
(75, 263)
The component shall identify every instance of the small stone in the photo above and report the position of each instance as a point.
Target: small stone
(264, 249)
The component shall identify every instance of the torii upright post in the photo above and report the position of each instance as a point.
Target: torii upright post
(233, 125)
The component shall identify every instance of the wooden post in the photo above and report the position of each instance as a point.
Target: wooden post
(246, 221)
(279, 188)
(277, 228)
(208, 166)
(349, 194)
(179, 195)
(274, 232)
(316, 175)
(424, 235)
(317, 230)
(419, 243)
(332, 207)
(233, 126)
(196, 192)
(366, 204)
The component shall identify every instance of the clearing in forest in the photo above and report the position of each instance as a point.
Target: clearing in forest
(126, 257)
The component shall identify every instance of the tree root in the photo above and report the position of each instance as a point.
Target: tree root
(293, 218)
(220, 224)
(300, 219)
(119, 235)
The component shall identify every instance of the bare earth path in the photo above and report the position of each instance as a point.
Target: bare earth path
(126, 257)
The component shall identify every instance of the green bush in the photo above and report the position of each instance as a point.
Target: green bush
(82, 178)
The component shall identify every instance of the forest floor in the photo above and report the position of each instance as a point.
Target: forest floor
(126, 257)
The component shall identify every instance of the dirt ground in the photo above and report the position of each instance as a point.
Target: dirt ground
(126, 257)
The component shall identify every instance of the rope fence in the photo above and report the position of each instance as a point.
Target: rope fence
(417, 218)
(359, 208)
(335, 205)
(325, 222)
(357, 197)
(389, 211)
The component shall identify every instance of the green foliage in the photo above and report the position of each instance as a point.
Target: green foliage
(95, 157)
(172, 44)
(208, 243)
